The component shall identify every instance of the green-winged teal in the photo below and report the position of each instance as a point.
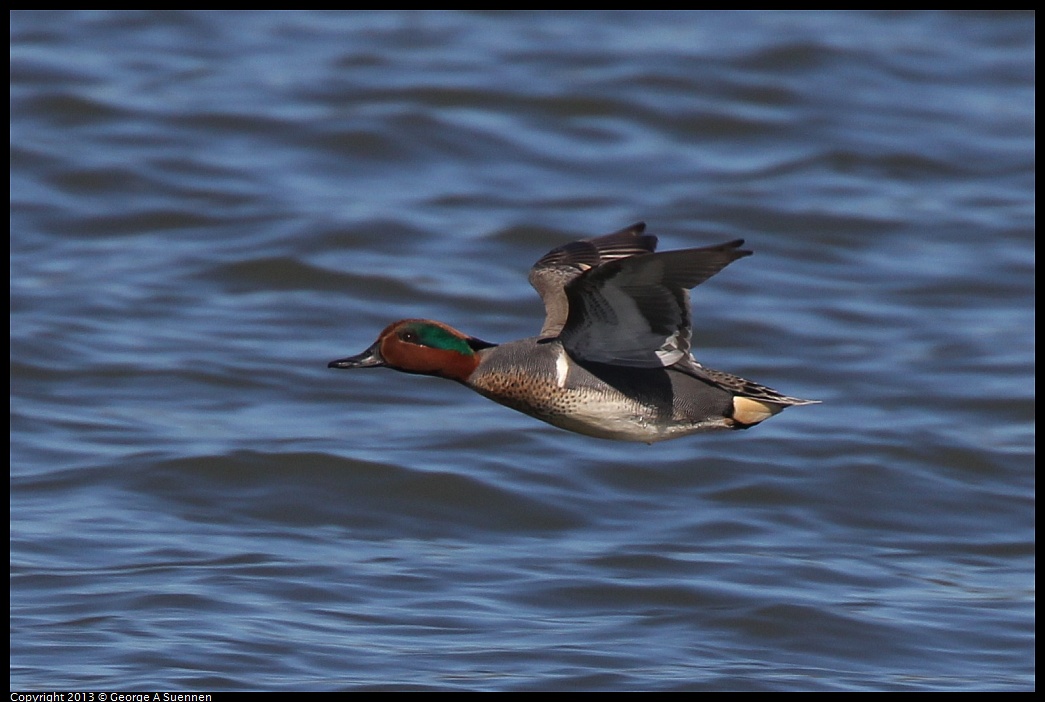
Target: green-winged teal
(613, 357)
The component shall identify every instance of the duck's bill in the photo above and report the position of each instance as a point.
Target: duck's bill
(371, 358)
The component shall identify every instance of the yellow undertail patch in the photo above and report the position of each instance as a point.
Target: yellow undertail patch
(748, 411)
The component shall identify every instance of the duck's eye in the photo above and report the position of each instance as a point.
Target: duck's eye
(409, 337)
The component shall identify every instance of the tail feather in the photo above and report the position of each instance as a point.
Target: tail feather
(749, 388)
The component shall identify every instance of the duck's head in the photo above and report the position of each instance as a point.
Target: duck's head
(420, 346)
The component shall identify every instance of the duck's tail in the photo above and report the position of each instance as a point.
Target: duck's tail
(752, 402)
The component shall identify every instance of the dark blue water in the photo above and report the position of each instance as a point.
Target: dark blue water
(206, 208)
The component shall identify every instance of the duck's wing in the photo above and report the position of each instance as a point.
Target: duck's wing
(634, 311)
(550, 275)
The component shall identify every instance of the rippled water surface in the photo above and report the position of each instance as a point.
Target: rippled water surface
(208, 207)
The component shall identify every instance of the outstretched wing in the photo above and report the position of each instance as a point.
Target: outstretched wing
(550, 275)
(635, 311)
